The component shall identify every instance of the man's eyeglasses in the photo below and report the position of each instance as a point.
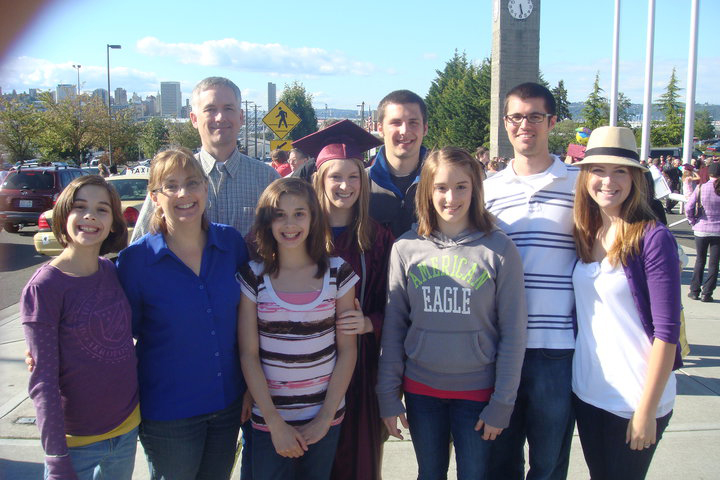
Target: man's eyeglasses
(173, 189)
(516, 118)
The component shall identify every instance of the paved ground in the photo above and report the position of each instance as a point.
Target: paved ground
(689, 450)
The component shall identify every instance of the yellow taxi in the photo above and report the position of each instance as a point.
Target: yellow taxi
(132, 189)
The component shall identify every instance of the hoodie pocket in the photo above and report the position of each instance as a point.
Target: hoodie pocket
(446, 352)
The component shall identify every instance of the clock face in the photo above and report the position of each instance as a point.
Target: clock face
(520, 9)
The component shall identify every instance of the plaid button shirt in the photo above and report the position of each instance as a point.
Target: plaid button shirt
(233, 192)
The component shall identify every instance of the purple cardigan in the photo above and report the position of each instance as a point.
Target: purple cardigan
(709, 221)
(654, 278)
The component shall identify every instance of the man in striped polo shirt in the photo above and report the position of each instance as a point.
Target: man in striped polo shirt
(533, 200)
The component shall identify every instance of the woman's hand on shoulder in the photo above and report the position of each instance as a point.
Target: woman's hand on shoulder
(353, 322)
(641, 431)
(288, 442)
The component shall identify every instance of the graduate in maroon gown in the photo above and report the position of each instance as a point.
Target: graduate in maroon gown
(342, 187)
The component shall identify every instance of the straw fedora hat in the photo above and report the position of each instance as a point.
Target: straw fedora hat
(613, 145)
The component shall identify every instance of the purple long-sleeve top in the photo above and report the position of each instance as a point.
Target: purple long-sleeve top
(654, 278)
(78, 330)
(708, 221)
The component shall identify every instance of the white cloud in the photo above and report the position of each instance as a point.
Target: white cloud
(429, 56)
(22, 73)
(271, 58)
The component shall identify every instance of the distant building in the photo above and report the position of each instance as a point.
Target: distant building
(120, 97)
(170, 99)
(272, 95)
(150, 105)
(102, 94)
(64, 91)
(32, 91)
(135, 98)
(186, 109)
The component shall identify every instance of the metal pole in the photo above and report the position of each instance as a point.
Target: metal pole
(255, 130)
(647, 101)
(614, 73)
(77, 67)
(247, 147)
(688, 145)
(108, 103)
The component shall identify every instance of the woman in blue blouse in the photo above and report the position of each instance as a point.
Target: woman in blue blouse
(180, 281)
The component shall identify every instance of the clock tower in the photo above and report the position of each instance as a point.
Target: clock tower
(515, 60)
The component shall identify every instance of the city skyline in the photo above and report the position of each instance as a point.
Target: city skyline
(253, 47)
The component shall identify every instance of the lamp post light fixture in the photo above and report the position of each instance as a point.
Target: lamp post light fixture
(108, 102)
(77, 67)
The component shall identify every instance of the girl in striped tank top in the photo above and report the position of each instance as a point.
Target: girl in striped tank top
(297, 366)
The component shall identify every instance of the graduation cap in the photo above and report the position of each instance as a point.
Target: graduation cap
(340, 140)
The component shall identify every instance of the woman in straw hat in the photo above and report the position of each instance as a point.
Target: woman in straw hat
(627, 290)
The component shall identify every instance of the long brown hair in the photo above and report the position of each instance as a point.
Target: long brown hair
(360, 225)
(162, 165)
(118, 237)
(318, 238)
(480, 218)
(635, 216)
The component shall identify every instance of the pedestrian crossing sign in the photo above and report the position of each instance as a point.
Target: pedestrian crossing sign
(281, 120)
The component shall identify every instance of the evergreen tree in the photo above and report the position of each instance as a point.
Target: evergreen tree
(300, 102)
(671, 130)
(596, 111)
(458, 103)
(623, 110)
(704, 128)
(562, 109)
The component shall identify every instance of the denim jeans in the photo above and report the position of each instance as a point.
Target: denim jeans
(315, 464)
(112, 458)
(702, 245)
(201, 447)
(543, 415)
(602, 435)
(432, 422)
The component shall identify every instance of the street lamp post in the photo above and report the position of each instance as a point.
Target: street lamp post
(108, 102)
(77, 67)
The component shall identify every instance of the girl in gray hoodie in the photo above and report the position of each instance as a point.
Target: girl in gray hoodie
(455, 322)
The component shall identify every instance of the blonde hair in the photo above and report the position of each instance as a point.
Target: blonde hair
(361, 226)
(635, 216)
(162, 165)
(318, 239)
(480, 218)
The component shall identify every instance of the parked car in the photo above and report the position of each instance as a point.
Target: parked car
(132, 190)
(28, 191)
(714, 147)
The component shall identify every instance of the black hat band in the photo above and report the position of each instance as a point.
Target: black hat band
(613, 152)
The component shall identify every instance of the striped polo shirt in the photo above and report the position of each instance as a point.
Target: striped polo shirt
(537, 213)
(297, 342)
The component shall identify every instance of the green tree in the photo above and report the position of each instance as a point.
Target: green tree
(19, 127)
(124, 133)
(300, 102)
(153, 136)
(561, 136)
(183, 134)
(623, 110)
(561, 102)
(704, 128)
(669, 102)
(71, 127)
(596, 111)
(458, 103)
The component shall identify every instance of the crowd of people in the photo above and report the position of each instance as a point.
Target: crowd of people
(315, 308)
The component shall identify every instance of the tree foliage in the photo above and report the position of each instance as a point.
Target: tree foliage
(153, 136)
(623, 110)
(183, 134)
(596, 111)
(561, 136)
(19, 127)
(704, 128)
(562, 109)
(670, 131)
(458, 104)
(300, 102)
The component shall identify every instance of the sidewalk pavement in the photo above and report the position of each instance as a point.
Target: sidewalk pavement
(689, 448)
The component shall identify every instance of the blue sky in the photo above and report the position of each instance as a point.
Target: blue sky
(345, 53)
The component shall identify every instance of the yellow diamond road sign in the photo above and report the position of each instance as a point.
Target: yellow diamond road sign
(281, 119)
(281, 144)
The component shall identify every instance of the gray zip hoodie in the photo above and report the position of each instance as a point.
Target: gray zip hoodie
(455, 319)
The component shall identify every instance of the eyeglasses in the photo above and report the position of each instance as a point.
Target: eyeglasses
(173, 189)
(516, 118)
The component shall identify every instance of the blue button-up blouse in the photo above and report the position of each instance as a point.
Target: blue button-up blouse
(185, 324)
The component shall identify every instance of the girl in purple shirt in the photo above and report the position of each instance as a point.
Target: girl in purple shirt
(77, 326)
